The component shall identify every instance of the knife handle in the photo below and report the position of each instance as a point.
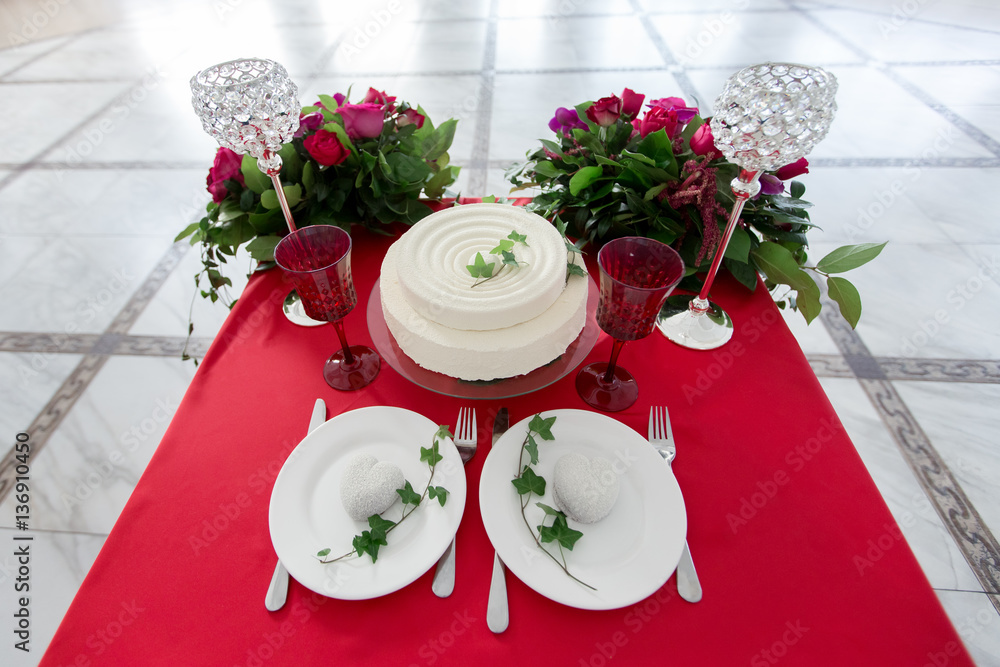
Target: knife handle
(497, 614)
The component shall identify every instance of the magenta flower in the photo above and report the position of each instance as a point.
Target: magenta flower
(631, 103)
(309, 123)
(605, 111)
(362, 120)
(566, 120)
(683, 112)
(793, 169)
(771, 185)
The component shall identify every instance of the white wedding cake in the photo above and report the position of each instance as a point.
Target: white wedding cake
(522, 318)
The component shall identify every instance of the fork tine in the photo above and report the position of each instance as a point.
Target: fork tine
(473, 428)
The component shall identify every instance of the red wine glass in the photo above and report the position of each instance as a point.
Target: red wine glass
(637, 275)
(317, 259)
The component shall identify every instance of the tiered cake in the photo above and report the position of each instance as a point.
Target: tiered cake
(519, 320)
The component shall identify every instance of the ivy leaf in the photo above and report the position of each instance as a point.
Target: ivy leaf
(846, 295)
(509, 259)
(560, 532)
(532, 449)
(443, 432)
(407, 495)
(575, 270)
(551, 511)
(323, 554)
(438, 492)
(430, 454)
(542, 427)
(369, 543)
(518, 238)
(379, 525)
(529, 482)
(849, 257)
(502, 246)
(480, 269)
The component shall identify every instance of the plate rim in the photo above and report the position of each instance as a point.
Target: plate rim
(316, 438)
(522, 569)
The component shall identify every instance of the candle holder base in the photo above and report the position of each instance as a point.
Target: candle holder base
(296, 313)
(694, 325)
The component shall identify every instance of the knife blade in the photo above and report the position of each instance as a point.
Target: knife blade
(277, 590)
(497, 612)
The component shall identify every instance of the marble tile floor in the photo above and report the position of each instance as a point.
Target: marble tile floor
(102, 162)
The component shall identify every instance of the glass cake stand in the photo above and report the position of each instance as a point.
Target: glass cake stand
(518, 385)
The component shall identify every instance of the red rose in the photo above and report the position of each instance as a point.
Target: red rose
(379, 97)
(605, 111)
(659, 118)
(226, 166)
(362, 120)
(325, 148)
(631, 103)
(797, 168)
(410, 117)
(703, 143)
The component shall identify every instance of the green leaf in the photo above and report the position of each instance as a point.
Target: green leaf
(547, 169)
(508, 258)
(379, 525)
(262, 248)
(442, 433)
(252, 176)
(583, 178)
(849, 257)
(807, 300)
(518, 238)
(846, 295)
(480, 269)
(407, 168)
(575, 270)
(739, 245)
(341, 133)
(503, 245)
(532, 448)
(408, 495)
(560, 532)
(551, 511)
(796, 189)
(777, 262)
(293, 193)
(328, 101)
(529, 482)
(658, 147)
(542, 427)
(440, 141)
(187, 231)
(438, 492)
(430, 455)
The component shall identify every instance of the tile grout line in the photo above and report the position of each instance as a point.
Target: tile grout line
(484, 111)
(48, 420)
(675, 68)
(963, 522)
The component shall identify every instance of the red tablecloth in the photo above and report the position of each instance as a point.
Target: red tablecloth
(801, 561)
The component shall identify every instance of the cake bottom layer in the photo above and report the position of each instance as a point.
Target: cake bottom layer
(483, 355)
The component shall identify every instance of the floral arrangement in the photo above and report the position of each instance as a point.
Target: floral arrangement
(349, 163)
(614, 171)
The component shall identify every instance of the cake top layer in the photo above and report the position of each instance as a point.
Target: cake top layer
(434, 254)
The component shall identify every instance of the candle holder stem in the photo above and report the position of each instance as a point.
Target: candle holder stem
(274, 173)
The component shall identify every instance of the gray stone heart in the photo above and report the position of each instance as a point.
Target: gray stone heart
(585, 489)
(368, 486)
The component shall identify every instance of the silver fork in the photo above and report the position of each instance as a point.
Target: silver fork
(466, 434)
(661, 436)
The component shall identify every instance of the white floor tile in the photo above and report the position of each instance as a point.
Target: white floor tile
(977, 623)
(87, 470)
(27, 381)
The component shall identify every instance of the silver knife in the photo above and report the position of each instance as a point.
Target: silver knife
(277, 591)
(497, 613)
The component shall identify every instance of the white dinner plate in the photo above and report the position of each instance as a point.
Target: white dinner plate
(629, 554)
(307, 515)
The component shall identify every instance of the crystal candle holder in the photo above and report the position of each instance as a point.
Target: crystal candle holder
(767, 116)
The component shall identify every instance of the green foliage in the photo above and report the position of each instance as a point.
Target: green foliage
(611, 182)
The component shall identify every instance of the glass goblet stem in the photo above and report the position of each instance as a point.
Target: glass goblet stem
(348, 357)
(280, 191)
(609, 375)
(744, 187)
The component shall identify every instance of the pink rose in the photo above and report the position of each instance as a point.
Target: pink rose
(325, 148)
(703, 143)
(410, 117)
(226, 166)
(684, 112)
(797, 168)
(605, 111)
(379, 97)
(631, 103)
(363, 120)
(659, 118)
